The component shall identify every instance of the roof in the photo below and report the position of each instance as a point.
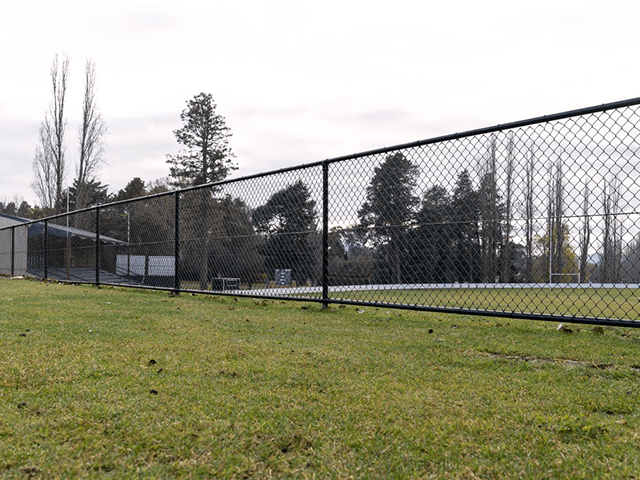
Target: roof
(7, 220)
(37, 228)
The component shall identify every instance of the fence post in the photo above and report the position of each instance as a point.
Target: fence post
(46, 247)
(176, 246)
(325, 235)
(13, 251)
(97, 246)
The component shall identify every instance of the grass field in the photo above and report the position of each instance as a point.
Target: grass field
(622, 304)
(124, 383)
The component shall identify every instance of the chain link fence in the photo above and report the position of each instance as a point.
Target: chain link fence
(536, 219)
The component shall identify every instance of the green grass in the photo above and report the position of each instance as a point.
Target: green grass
(589, 302)
(123, 383)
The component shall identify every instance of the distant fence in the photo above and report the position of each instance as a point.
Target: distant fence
(538, 219)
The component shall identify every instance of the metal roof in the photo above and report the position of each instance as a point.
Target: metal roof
(58, 230)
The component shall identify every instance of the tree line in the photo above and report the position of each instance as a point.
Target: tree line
(471, 233)
(475, 230)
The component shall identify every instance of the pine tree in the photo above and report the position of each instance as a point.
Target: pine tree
(389, 207)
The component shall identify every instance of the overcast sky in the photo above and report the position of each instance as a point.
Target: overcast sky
(303, 81)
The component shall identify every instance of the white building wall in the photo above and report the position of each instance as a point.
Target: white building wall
(19, 248)
(8, 222)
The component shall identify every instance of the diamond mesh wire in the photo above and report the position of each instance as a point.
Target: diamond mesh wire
(260, 236)
(6, 252)
(538, 219)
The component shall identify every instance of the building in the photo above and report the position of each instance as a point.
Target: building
(13, 246)
(66, 252)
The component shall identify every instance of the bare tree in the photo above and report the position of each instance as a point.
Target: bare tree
(490, 213)
(557, 233)
(611, 242)
(585, 235)
(90, 136)
(529, 209)
(49, 164)
(506, 257)
(43, 183)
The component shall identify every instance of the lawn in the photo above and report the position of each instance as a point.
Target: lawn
(124, 383)
(604, 303)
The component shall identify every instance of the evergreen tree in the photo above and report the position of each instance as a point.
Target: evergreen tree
(389, 207)
(207, 156)
(135, 188)
(233, 245)
(24, 210)
(93, 192)
(465, 216)
(288, 220)
(431, 241)
(10, 208)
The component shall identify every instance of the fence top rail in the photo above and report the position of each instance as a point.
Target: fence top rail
(444, 138)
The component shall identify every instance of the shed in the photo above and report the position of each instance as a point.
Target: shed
(13, 246)
(67, 248)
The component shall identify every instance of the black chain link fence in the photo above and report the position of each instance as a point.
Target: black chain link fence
(535, 219)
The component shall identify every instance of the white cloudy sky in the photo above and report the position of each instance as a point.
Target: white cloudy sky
(304, 81)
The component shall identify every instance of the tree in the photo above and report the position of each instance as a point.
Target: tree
(529, 211)
(585, 235)
(556, 223)
(350, 261)
(389, 207)
(207, 158)
(24, 210)
(431, 241)
(135, 188)
(288, 220)
(630, 269)
(466, 234)
(233, 245)
(564, 269)
(95, 193)
(90, 136)
(506, 244)
(49, 165)
(612, 236)
(490, 214)
(159, 185)
(10, 208)
(558, 260)
(204, 134)
(43, 183)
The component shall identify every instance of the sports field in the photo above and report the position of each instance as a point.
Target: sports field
(605, 303)
(122, 383)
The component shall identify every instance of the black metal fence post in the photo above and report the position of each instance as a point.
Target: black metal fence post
(325, 235)
(46, 247)
(13, 251)
(176, 246)
(97, 246)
